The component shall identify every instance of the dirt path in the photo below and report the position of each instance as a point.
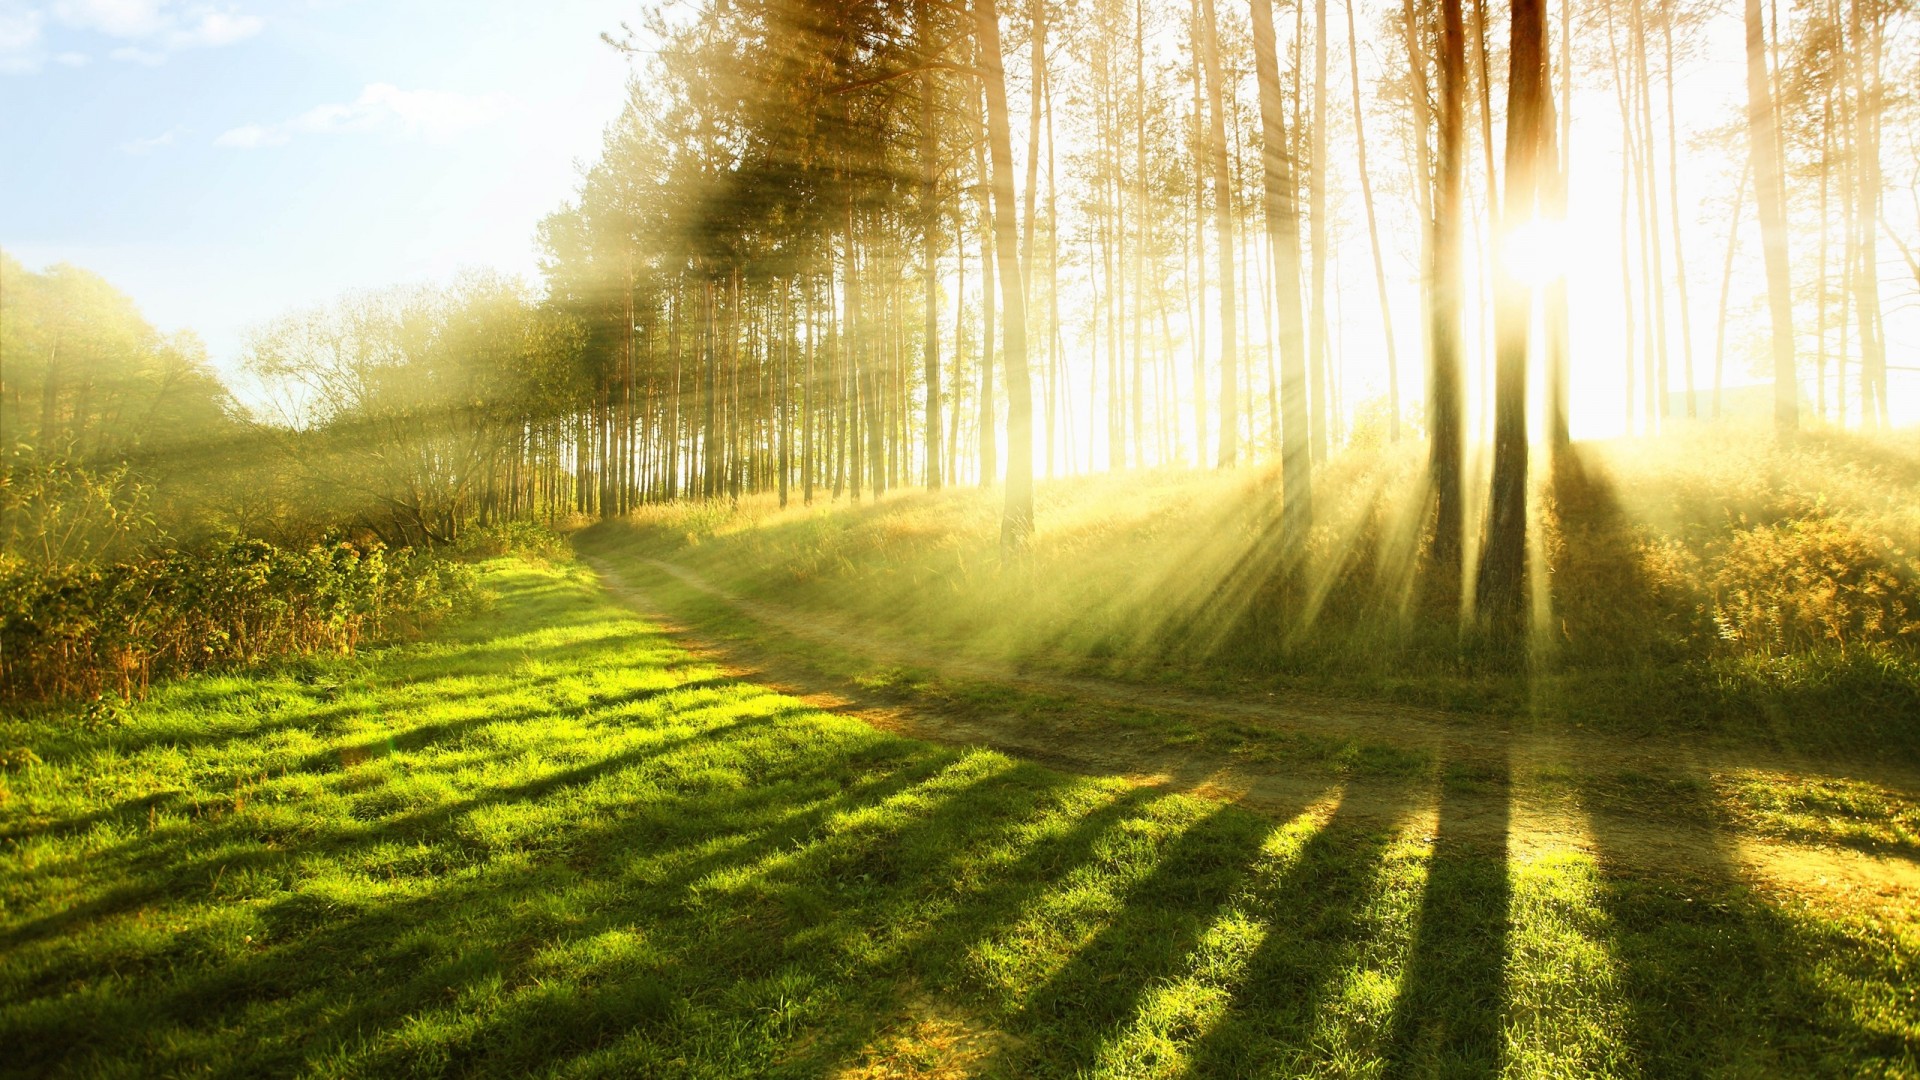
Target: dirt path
(1529, 802)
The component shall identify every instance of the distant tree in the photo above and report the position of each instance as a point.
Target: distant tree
(1223, 230)
(1763, 140)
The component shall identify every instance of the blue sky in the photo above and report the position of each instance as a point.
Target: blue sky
(223, 163)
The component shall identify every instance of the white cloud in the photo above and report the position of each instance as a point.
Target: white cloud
(20, 51)
(133, 54)
(251, 136)
(433, 115)
(214, 28)
(155, 28)
(115, 18)
(73, 59)
(138, 147)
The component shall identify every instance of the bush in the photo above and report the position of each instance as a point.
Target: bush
(1813, 583)
(83, 631)
(525, 538)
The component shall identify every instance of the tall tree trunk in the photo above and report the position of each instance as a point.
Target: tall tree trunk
(1673, 204)
(1016, 523)
(1223, 227)
(1373, 231)
(783, 424)
(1198, 321)
(1559, 375)
(1763, 140)
(1445, 437)
(988, 445)
(1501, 589)
(929, 246)
(1056, 395)
(1283, 245)
(807, 465)
(1658, 386)
(1140, 221)
(1866, 146)
(1317, 350)
(1037, 61)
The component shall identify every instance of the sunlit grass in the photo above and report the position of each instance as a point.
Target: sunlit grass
(550, 842)
(1699, 583)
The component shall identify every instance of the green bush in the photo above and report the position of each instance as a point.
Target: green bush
(84, 631)
(525, 538)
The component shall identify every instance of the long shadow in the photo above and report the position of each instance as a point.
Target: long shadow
(1601, 593)
(761, 936)
(1718, 978)
(1315, 928)
(154, 856)
(323, 932)
(1449, 1017)
(932, 952)
(1159, 920)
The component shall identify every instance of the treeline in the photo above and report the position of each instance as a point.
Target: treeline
(830, 250)
(148, 527)
(844, 248)
(834, 249)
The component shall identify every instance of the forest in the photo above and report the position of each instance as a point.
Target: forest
(1074, 538)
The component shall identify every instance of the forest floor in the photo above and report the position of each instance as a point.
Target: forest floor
(723, 838)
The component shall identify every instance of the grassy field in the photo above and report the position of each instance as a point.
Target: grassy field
(549, 841)
(1705, 583)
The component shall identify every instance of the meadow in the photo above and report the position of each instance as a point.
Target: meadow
(551, 840)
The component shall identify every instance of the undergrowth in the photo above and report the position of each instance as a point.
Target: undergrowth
(1702, 582)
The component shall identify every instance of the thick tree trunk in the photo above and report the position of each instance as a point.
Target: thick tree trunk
(1501, 590)
(1283, 243)
(1016, 524)
(1444, 465)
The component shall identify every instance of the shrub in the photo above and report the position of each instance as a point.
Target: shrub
(83, 631)
(1813, 583)
(526, 538)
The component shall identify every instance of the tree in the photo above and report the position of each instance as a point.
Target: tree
(1444, 408)
(1223, 230)
(1016, 523)
(1763, 140)
(1501, 588)
(1283, 242)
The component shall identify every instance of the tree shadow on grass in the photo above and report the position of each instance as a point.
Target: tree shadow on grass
(232, 844)
(402, 956)
(1153, 931)
(1719, 977)
(1449, 1017)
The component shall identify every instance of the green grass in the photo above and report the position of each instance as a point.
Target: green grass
(1707, 583)
(548, 842)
